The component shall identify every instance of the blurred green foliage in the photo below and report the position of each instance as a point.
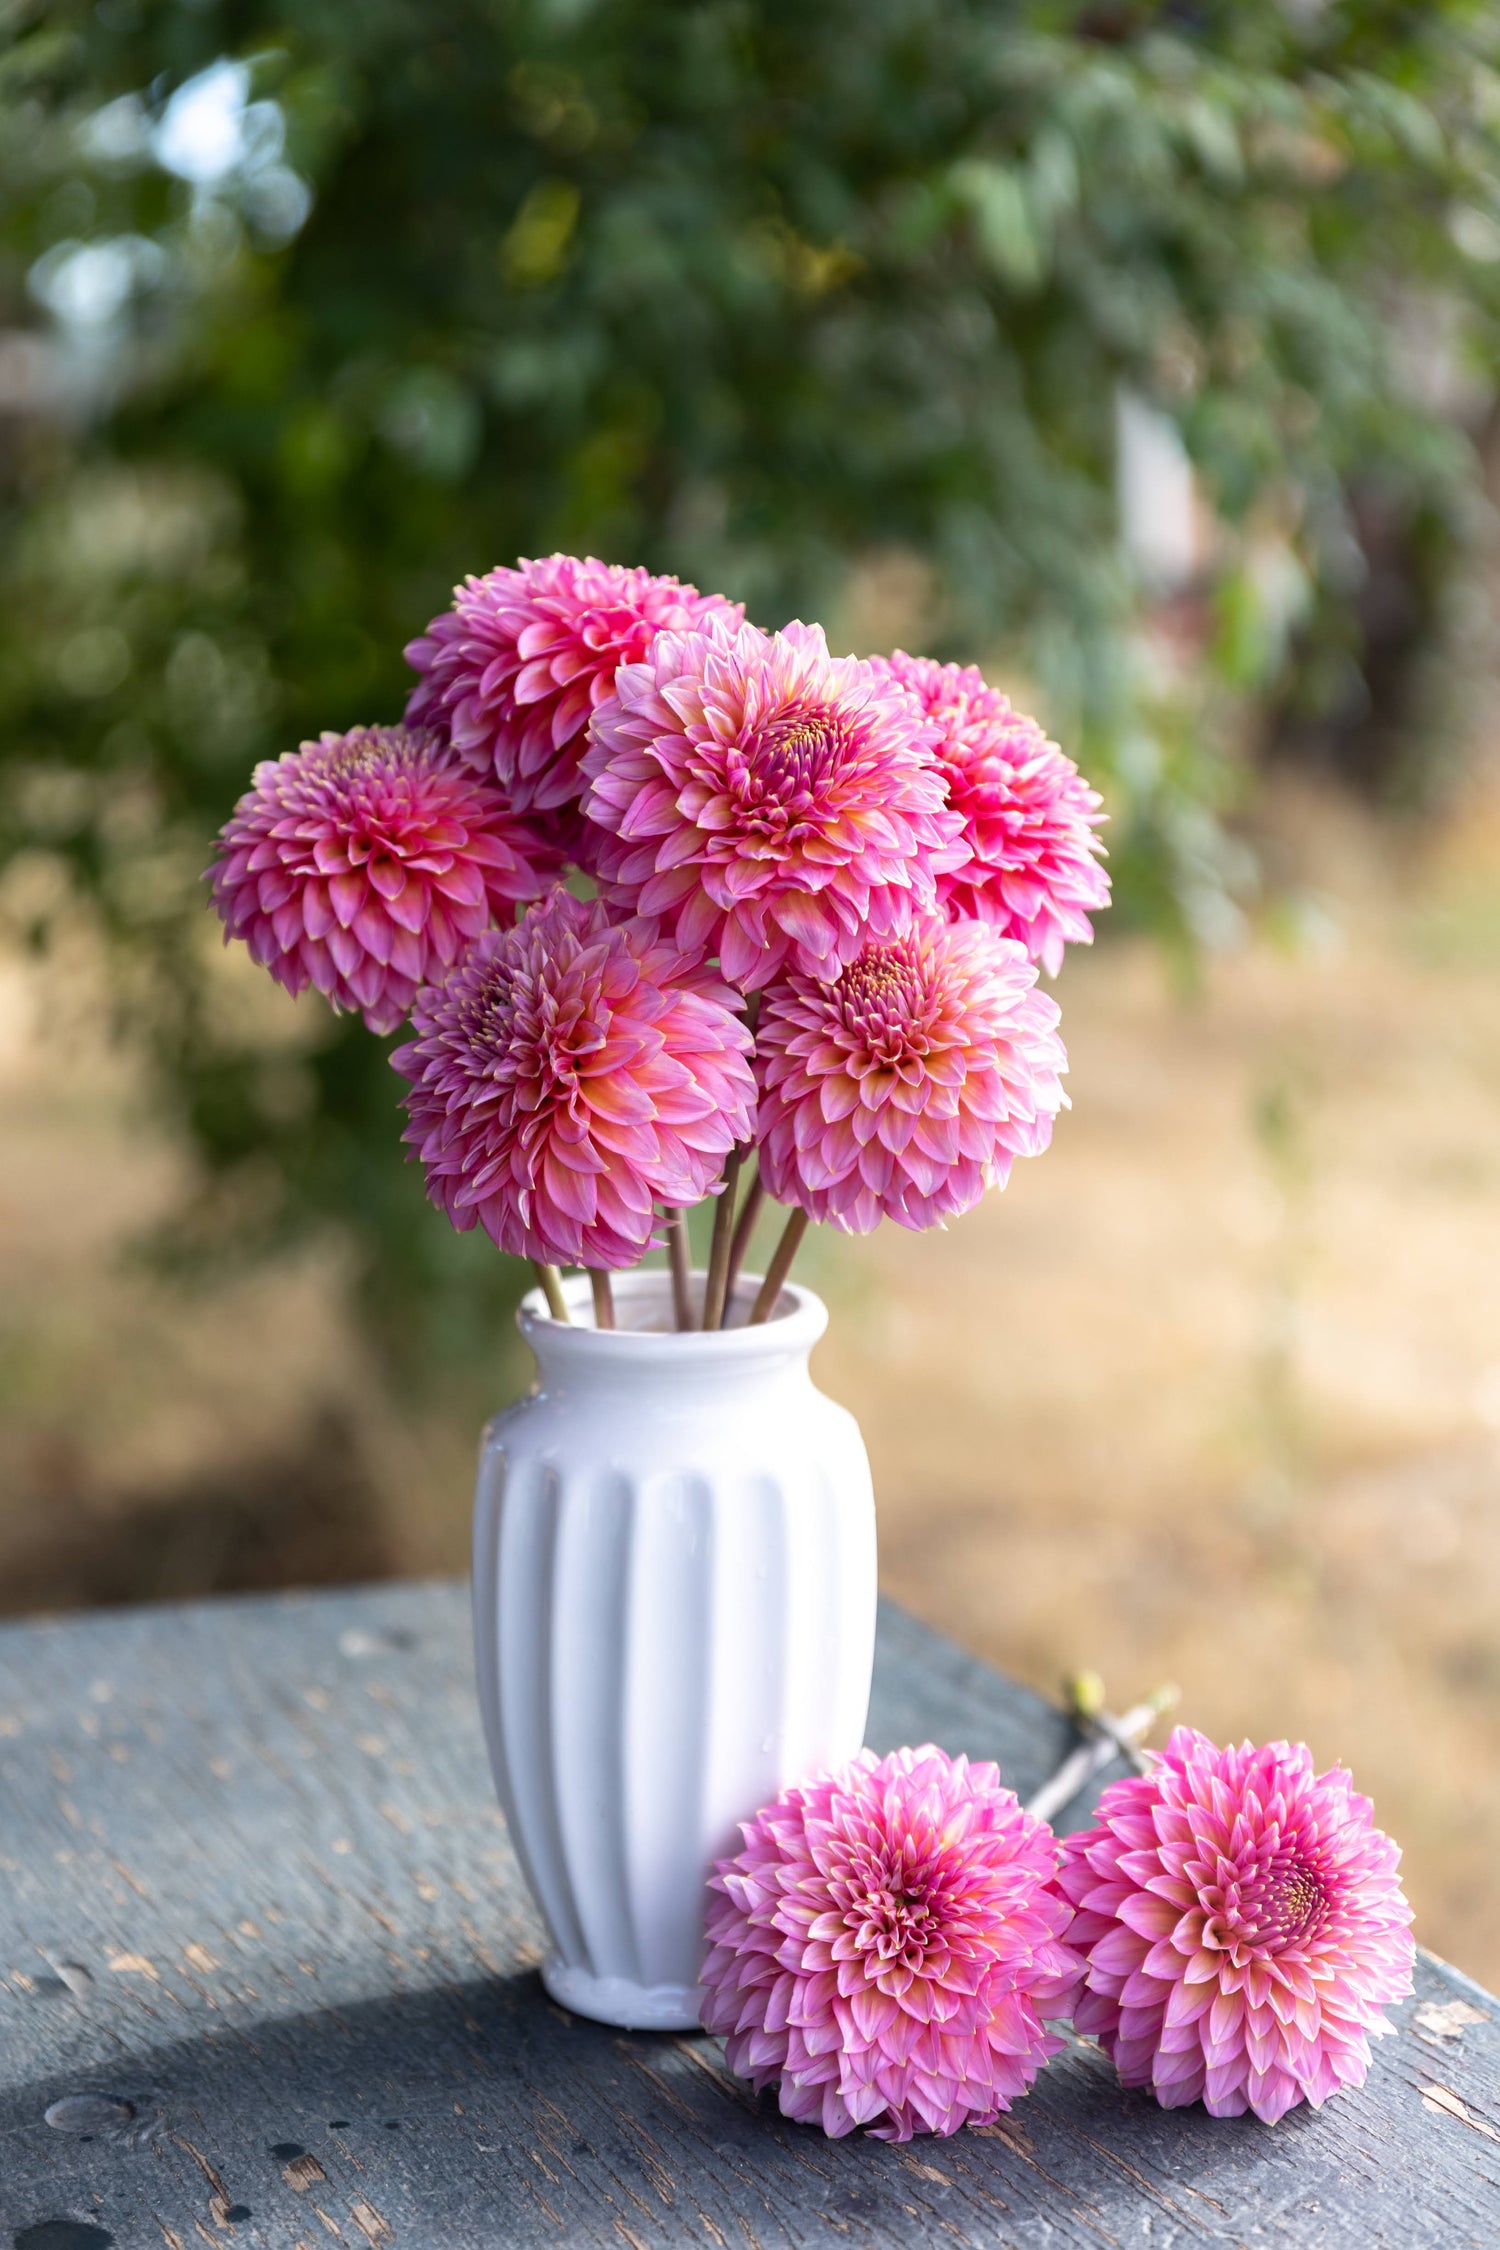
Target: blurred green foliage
(307, 309)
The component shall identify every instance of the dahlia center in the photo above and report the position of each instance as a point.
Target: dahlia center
(348, 759)
(883, 1000)
(381, 813)
(485, 1017)
(487, 1023)
(787, 767)
(893, 1925)
(1286, 1904)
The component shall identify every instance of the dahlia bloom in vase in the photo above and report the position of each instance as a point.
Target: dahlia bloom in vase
(775, 806)
(1241, 1925)
(364, 863)
(512, 673)
(905, 1086)
(568, 1080)
(1030, 820)
(675, 911)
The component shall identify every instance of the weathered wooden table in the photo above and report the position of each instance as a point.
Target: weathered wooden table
(269, 1979)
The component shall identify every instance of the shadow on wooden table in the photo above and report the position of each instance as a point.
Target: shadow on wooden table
(480, 2111)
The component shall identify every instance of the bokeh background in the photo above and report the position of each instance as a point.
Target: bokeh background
(1147, 353)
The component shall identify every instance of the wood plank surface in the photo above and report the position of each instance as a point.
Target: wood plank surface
(267, 1967)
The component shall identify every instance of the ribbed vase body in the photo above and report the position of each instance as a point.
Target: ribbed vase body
(674, 1615)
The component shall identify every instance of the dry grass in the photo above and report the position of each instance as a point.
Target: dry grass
(1213, 1394)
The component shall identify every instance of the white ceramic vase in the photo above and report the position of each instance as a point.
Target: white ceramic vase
(674, 1617)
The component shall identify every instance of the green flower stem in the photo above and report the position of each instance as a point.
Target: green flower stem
(677, 1250)
(744, 1227)
(604, 1299)
(715, 1291)
(780, 1267)
(552, 1289)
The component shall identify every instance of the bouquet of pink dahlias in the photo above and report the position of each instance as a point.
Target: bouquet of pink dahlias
(806, 899)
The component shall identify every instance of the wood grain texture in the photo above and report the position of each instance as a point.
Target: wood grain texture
(265, 1959)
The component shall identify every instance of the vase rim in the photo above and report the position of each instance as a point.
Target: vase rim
(797, 1320)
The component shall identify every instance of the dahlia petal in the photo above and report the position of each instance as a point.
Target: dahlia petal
(1187, 2002)
(1224, 2090)
(744, 957)
(346, 895)
(1119, 1951)
(1148, 1915)
(316, 909)
(1272, 2094)
(373, 930)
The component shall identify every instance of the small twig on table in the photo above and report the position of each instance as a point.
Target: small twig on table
(677, 1251)
(604, 1298)
(1084, 1693)
(714, 1290)
(744, 1227)
(1111, 1738)
(780, 1266)
(552, 1289)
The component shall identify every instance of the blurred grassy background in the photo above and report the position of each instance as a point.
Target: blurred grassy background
(1147, 353)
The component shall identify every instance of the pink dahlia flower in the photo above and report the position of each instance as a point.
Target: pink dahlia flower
(767, 802)
(905, 1087)
(565, 1078)
(1242, 1926)
(1028, 816)
(514, 669)
(364, 862)
(886, 1944)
